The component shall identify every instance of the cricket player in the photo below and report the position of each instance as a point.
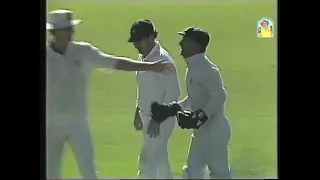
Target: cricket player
(152, 86)
(265, 29)
(202, 110)
(68, 68)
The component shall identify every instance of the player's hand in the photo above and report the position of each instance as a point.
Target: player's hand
(137, 123)
(161, 112)
(161, 67)
(153, 128)
(191, 120)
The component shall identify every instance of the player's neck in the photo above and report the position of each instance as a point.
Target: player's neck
(152, 44)
(191, 54)
(59, 47)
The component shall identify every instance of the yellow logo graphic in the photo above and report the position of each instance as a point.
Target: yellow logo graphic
(265, 28)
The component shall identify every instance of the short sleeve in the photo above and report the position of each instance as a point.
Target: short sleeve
(97, 57)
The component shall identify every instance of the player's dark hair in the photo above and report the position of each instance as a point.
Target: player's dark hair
(155, 34)
(202, 49)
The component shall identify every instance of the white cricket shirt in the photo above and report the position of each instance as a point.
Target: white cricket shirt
(152, 86)
(205, 87)
(68, 75)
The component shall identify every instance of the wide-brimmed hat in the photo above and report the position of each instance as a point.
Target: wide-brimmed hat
(60, 19)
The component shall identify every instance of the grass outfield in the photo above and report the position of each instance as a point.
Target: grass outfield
(248, 66)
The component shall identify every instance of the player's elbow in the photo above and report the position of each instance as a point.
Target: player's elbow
(120, 64)
(220, 98)
(223, 96)
(216, 102)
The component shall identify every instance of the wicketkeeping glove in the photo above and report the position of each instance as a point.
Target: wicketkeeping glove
(191, 120)
(160, 112)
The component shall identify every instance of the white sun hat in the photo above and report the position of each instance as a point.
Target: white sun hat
(60, 19)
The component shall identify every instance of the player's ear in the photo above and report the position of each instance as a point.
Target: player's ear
(151, 37)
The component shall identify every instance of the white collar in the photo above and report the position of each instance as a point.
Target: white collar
(155, 49)
(193, 60)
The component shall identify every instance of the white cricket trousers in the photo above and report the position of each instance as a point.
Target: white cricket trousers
(153, 161)
(62, 128)
(208, 150)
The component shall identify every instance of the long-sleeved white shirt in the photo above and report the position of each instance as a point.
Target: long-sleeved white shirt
(68, 75)
(152, 86)
(205, 87)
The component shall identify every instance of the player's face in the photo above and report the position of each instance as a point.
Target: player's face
(187, 47)
(264, 24)
(64, 35)
(142, 45)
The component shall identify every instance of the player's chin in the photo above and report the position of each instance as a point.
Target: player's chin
(140, 51)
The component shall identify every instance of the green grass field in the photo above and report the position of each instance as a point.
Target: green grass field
(248, 66)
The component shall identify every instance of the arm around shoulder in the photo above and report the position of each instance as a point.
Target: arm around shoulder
(97, 57)
(126, 64)
(104, 60)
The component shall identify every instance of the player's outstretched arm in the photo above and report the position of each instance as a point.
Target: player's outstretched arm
(103, 60)
(126, 64)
